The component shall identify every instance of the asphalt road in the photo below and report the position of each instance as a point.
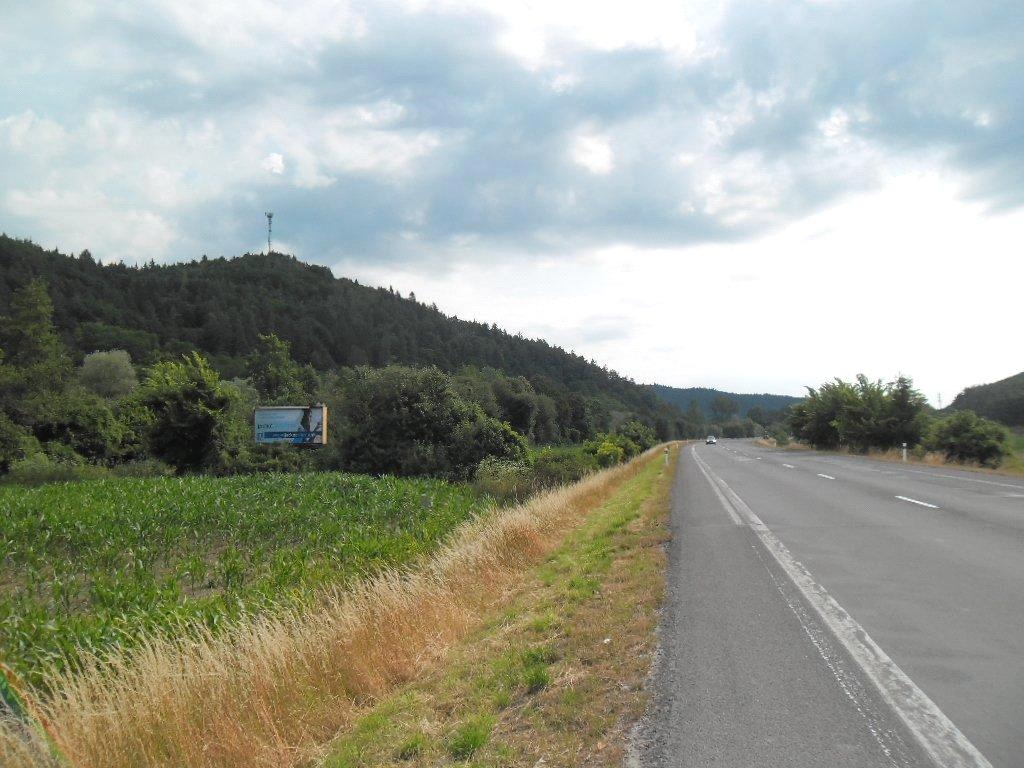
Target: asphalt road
(834, 611)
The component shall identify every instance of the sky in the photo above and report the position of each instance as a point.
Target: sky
(754, 196)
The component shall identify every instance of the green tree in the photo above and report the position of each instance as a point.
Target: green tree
(12, 441)
(639, 434)
(815, 419)
(36, 364)
(907, 420)
(83, 422)
(187, 406)
(860, 415)
(408, 421)
(965, 436)
(724, 408)
(278, 379)
(108, 374)
(694, 420)
(757, 415)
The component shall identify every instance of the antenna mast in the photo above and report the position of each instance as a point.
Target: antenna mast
(270, 220)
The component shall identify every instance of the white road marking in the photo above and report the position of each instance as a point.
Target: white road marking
(703, 467)
(915, 501)
(935, 733)
(758, 458)
(827, 477)
(789, 466)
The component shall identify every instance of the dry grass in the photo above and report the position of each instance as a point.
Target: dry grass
(555, 676)
(275, 689)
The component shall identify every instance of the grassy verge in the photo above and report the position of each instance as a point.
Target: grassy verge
(555, 676)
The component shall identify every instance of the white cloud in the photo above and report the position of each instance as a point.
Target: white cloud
(274, 163)
(88, 218)
(458, 133)
(28, 133)
(593, 152)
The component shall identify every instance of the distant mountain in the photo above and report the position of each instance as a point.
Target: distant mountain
(220, 306)
(681, 398)
(1001, 400)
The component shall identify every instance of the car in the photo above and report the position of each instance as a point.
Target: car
(711, 440)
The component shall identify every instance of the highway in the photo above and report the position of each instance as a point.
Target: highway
(838, 611)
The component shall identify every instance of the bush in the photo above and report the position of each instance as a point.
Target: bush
(504, 480)
(407, 421)
(12, 439)
(108, 374)
(965, 436)
(562, 466)
(40, 468)
(609, 454)
(85, 423)
(781, 434)
(187, 407)
(860, 415)
(639, 434)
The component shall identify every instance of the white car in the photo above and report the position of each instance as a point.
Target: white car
(711, 440)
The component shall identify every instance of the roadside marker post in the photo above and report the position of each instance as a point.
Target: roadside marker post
(904, 452)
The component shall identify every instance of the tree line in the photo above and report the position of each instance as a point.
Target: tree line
(221, 307)
(863, 415)
(59, 419)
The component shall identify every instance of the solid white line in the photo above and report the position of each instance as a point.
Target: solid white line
(703, 467)
(915, 501)
(789, 466)
(827, 477)
(936, 734)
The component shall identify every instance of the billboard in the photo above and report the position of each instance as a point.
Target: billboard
(296, 424)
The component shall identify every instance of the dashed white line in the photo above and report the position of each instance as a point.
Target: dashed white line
(827, 477)
(915, 501)
(789, 466)
(934, 732)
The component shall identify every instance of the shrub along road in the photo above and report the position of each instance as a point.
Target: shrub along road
(762, 665)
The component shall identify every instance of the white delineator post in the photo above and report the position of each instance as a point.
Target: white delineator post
(904, 451)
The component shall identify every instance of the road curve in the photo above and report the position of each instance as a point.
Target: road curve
(827, 610)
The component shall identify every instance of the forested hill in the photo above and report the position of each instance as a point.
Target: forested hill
(220, 306)
(681, 398)
(1001, 400)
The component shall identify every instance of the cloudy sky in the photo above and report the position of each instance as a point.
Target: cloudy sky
(751, 195)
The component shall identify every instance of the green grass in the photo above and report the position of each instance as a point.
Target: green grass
(87, 566)
(470, 736)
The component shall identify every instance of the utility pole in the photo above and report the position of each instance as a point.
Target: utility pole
(270, 219)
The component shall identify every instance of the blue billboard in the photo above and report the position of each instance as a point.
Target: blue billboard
(298, 424)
